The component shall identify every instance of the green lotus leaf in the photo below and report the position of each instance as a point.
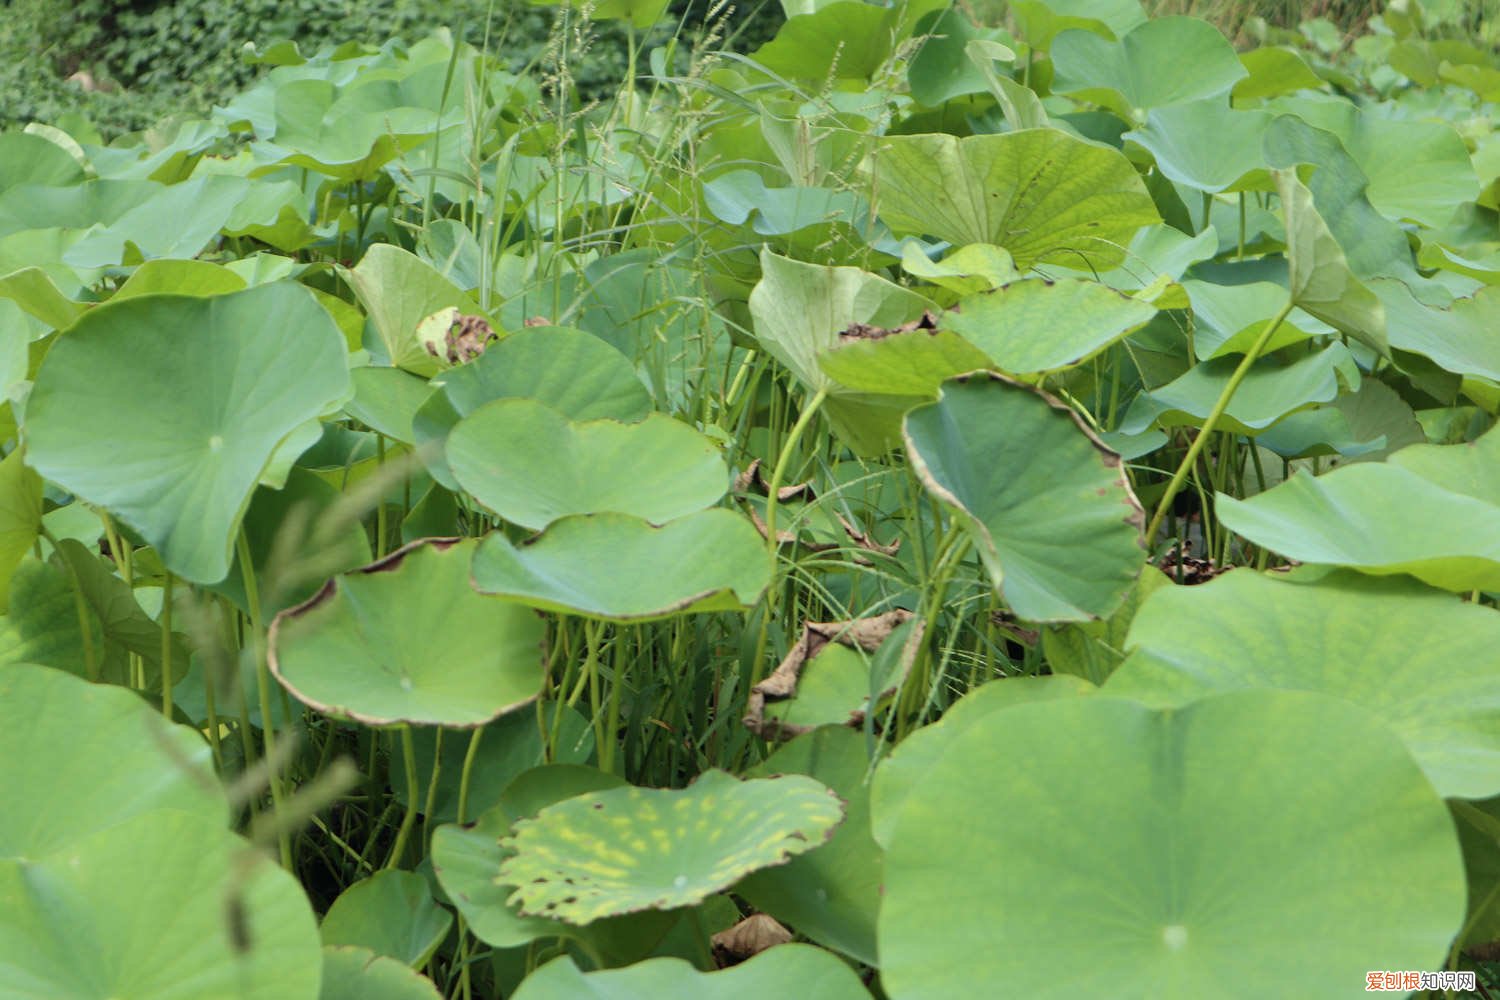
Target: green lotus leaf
(351, 973)
(1273, 71)
(1164, 61)
(275, 213)
(125, 630)
(1048, 507)
(1040, 193)
(180, 277)
(95, 918)
(799, 312)
(941, 68)
(1459, 338)
(741, 196)
(1338, 210)
(392, 913)
(350, 134)
(1428, 510)
(784, 971)
(905, 769)
(1019, 104)
(832, 893)
(297, 539)
(1031, 327)
(1419, 169)
(849, 40)
(1419, 664)
(1042, 20)
(978, 267)
(398, 290)
(1228, 319)
(78, 757)
(176, 220)
(627, 849)
(166, 410)
(710, 561)
(20, 516)
(1146, 854)
(34, 291)
(575, 373)
(405, 639)
(1320, 278)
(532, 465)
(42, 625)
(1268, 393)
(466, 858)
(387, 399)
(31, 159)
(911, 363)
(1232, 161)
(800, 309)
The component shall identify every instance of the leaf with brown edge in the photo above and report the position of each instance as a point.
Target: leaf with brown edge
(630, 849)
(406, 639)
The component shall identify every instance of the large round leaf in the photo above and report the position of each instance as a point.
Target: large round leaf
(1432, 511)
(628, 849)
(1042, 326)
(1418, 659)
(1177, 136)
(392, 913)
(575, 373)
(466, 859)
(1047, 505)
(531, 465)
(407, 640)
(618, 567)
(1165, 61)
(1041, 193)
(904, 771)
(351, 973)
(165, 410)
(166, 905)
(1219, 850)
(789, 970)
(78, 757)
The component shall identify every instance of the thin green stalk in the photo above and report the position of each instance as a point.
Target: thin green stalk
(432, 784)
(603, 741)
(409, 819)
(463, 781)
(1213, 419)
(166, 645)
(263, 690)
(773, 487)
(612, 726)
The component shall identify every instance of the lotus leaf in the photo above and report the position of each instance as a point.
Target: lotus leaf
(406, 640)
(613, 852)
(787, 970)
(532, 465)
(1040, 193)
(199, 392)
(1414, 657)
(710, 561)
(1173, 863)
(1047, 506)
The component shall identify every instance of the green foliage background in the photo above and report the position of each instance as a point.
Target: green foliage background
(152, 59)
